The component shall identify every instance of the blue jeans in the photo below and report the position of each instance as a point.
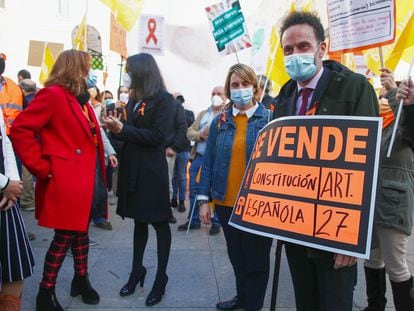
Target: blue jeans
(194, 168)
(180, 175)
(98, 220)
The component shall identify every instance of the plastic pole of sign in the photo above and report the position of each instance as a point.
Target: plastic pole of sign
(191, 216)
(397, 117)
(270, 69)
(120, 72)
(264, 88)
(275, 285)
(381, 56)
(237, 56)
(260, 80)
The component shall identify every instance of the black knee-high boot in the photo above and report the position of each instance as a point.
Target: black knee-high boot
(375, 287)
(138, 270)
(403, 293)
(163, 248)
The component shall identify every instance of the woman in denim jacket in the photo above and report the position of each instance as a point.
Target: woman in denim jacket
(229, 145)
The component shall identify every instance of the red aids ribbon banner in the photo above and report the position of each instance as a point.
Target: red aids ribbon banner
(151, 34)
(152, 26)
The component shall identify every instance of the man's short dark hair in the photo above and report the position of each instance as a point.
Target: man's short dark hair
(25, 74)
(29, 86)
(300, 18)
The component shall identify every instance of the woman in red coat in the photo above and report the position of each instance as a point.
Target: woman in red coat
(57, 137)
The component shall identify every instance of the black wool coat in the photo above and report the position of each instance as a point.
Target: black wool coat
(143, 191)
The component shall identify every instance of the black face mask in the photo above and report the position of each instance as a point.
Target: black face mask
(2, 66)
(83, 97)
(180, 99)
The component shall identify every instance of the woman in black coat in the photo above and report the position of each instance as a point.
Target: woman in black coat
(143, 192)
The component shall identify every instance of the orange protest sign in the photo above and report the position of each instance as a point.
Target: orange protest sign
(333, 223)
(312, 181)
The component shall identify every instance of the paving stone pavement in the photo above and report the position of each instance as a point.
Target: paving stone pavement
(199, 271)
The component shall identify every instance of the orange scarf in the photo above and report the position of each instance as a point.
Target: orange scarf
(385, 112)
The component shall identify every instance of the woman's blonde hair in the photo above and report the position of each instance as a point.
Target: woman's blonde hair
(243, 71)
(68, 71)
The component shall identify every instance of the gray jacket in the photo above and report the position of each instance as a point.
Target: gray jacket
(395, 189)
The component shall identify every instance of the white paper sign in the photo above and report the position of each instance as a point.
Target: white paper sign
(151, 34)
(360, 24)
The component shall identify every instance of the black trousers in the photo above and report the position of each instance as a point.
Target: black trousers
(318, 286)
(249, 255)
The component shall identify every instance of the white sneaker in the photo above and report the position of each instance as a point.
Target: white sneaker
(93, 242)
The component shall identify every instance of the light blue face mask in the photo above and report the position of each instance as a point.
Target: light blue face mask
(91, 79)
(241, 97)
(301, 67)
(108, 102)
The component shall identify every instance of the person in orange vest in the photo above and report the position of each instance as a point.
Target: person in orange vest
(11, 96)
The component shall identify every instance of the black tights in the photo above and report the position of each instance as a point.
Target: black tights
(163, 232)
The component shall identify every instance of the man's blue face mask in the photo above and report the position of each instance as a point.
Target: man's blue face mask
(301, 67)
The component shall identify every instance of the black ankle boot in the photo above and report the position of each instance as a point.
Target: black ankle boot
(134, 279)
(46, 300)
(81, 286)
(157, 291)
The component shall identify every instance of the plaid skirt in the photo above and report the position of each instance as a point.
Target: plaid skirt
(16, 257)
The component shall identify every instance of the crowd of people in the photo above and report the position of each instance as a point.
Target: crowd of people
(141, 148)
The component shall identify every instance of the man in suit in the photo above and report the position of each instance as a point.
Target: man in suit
(322, 280)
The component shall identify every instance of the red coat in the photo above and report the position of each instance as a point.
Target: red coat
(52, 136)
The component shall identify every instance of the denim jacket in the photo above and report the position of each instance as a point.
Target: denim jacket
(216, 161)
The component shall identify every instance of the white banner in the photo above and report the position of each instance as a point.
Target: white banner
(151, 34)
(360, 24)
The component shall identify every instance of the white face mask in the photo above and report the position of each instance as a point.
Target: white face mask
(216, 101)
(126, 80)
(124, 97)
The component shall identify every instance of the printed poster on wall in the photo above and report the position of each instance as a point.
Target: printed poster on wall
(360, 24)
(228, 26)
(312, 181)
(151, 34)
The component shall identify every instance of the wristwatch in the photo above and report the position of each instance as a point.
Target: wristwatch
(201, 202)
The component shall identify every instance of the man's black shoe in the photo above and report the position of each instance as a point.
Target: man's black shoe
(174, 203)
(233, 304)
(184, 227)
(214, 229)
(181, 206)
(173, 220)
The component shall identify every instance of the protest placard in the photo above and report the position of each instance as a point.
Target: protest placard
(36, 49)
(151, 34)
(117, 42)
(360, 24)
(228, 26)
(312, 181)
